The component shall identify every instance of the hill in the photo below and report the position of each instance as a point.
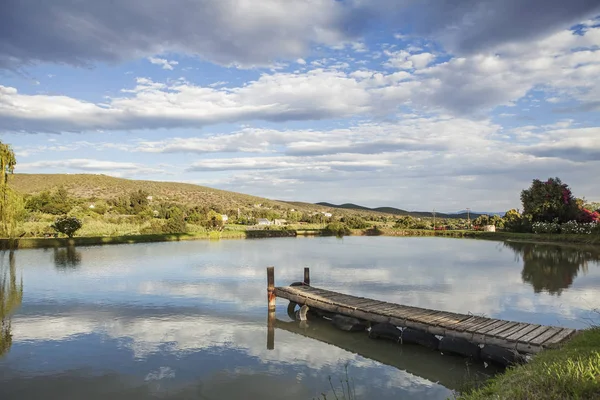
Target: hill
(97, 186)
(107, 187)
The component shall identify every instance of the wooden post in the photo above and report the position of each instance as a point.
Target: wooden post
(307, 276)
(271, 288)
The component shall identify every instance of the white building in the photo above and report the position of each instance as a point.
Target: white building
(263, 221)
(225, 218)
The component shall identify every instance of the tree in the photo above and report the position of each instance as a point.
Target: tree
(214, 221)
(482, 220)
(550, 201)
(67, 225)
(11, 203)
(404, 222)
(7, 162)
(138, 201)
(175, 221)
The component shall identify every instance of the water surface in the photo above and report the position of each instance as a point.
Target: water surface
(187, 320)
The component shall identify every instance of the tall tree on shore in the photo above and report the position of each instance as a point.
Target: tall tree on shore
(11, 204)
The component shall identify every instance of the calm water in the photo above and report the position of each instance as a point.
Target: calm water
(188, 320)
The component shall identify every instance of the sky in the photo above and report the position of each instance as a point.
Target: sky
(424, 104)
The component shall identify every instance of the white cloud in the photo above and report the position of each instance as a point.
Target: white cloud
(89, 165)
(164, 63)
(564, 64)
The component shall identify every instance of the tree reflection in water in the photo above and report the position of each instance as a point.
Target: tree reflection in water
(552, 268)
(11, 296)
(67, 257)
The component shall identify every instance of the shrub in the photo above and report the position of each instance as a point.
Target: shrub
(353, 222)
(578, 228)
(545, 227)
(67, 225)
(337, 229)
(176, 222)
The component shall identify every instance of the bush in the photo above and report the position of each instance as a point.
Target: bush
(545, 227)
(405, 222)
(176, 222)
(573, 227)
(155, 227)
(67, 225)
(353, 222)
(337, 229)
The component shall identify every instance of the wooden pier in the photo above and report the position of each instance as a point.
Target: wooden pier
(522, 337)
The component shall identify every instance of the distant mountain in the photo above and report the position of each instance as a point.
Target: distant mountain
(481, 212)
(398, 211)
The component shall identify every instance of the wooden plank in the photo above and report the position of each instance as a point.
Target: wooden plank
(514, 329)
(471, 322)
(499, 323)
(522, 332)
(382, 309)
(560, 337)
(447, 319)
(482, 325)
(545, 336)
(429, 318)
(377, 305)
(533, 334)
(419, 316)
(500, 329)
(467, 318)
(371, 303)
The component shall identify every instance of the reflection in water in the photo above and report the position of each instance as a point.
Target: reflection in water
(187, 319)
(552, 268)
(11, 296)
(450, 371)
(67, 257)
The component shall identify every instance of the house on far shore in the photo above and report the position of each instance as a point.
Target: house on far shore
(92, 206)
(149, 198)
(280, 222)
(224, 218)
(327, 215)
(262, 221)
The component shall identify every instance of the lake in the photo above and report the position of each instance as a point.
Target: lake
(188, 320)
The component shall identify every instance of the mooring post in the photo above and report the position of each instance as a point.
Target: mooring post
(271, 288)
(306, 276)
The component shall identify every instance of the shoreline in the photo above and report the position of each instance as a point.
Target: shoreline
(40, 243)
(568, 372)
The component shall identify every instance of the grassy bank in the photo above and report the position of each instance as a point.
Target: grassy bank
(38, 243)
(523, 237)
(571, 372)
(241, 233)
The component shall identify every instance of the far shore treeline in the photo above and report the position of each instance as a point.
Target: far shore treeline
(98, 205)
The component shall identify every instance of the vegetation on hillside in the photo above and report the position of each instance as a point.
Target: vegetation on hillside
(99, 205)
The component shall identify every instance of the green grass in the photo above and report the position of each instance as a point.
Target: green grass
(570, 372)
(524, 237)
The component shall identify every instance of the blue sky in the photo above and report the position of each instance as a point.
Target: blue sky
(417, 105)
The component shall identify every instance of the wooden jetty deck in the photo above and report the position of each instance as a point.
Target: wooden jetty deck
(523, 337)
